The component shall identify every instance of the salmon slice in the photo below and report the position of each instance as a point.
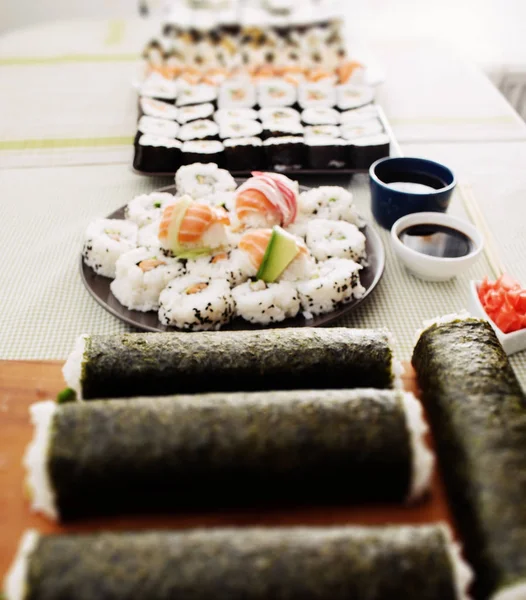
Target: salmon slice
(346, 70)
(196, 221)
(318, 74)
(255, 243)
(253, 201)
(149, 264)
(165, 222)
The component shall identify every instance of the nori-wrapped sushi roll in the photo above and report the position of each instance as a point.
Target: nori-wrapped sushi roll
(201, 129)
(289, 563)
(156, 108)
(203, 151)
(364, 151)
(477, 412)
(156, 364)
(280, 127)
(158, 127)
(196, 94)
(236, 93)
(255, 449)
(240, 129)
(244, 154)
(283, 153)
(155, 154)
(185, 114)
(325, 152)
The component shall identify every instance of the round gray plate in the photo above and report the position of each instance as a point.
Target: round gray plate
(99, 288)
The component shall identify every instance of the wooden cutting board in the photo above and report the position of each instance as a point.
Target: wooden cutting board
(25, 382)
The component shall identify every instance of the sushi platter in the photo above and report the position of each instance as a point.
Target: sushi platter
(259, 301)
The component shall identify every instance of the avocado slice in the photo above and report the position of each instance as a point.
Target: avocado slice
(282, 249)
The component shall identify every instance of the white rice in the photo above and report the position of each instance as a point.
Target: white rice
(206, 309)
(320, 116)
(225, 199)
(350, 96)
(148, 236)
(105, 240)
(159, 127)
(193, 112)
(278, 114)
(198, 130)
(156, 108)
(147, 208)
(260, 302)
(359, 115)
(72, 369)
(200, 93)
(316, 94)
(302, 267)
(138, 282)
(351, 131)
(200, 180)
(236, 94)
(225, 115)
(16, 578)
(423, 460)
(35, 460)
(336, 282)
(329, 202)
(335, 239)
(236, 268)
(240, 129)
(321, 131)
(275, 92)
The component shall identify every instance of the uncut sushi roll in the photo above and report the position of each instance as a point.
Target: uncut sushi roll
(418, 562)
(329, 202)
(158, 127)
(278, 114)
(477, 412)
(350, 96)
(141, 275)
(199, 180)
(147, 208)
(185, 114)
(236, 94)
(232, 265)
(105, 241)
(203, 151)
(196, 94)
(154, 154)
(150, 364)
(316, 95)
(336, 282)
(335, 239)
(264, 303)
(320, 116)
(200, 129)
(285, 153)
(364, 151)
(244, 153)
(326, 152)
(158, 109)
(159, 453)
(275, 92)
(240, 129)
(235, 114)
(194, 303)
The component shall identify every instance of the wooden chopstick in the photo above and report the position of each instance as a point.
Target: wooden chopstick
(475, 214)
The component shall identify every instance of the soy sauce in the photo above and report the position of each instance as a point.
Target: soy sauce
(437, 240)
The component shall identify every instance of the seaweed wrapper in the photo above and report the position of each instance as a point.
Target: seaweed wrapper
(392, 563)
(477, 412)
(225, 450)
(155, 364)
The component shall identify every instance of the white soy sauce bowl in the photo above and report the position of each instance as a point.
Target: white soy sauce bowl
(430, 261)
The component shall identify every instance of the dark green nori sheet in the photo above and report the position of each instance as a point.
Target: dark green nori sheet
(348, 563)
(477, 412)
(229, 450)
(155, 364)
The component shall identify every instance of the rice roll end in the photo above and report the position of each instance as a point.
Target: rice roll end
(155, 364)
(477, 412)
(317, 563)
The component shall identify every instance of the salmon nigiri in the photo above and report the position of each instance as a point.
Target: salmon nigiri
(190, 226)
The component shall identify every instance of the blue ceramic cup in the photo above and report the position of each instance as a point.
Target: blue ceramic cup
(401, 186)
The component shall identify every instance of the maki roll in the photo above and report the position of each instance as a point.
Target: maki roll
(368, 128)
(201, 129)
(316, 95)
(364, 151)
(275, 92)
(251, 449)
(329, 202)
(154, 154)
(196, 94)
(263, 303)
(240, 129)
(477, 411)
(141, 275)
(185, 114)
(203, 151)
(147, 208)
(150, 364)
(244, 153)
(326, 152)
(279, 127)
(357, 116)
(335, 239)
(105, 241)
(323, 131)
(317, 563)
(200, 180)
(335, 282)
(320, 116)
(235, 114)
(158, 127)
(195, 303)
(350, 96)
(148, 237)
(278, 114)
(236, 93)
(232, 265)
(284, 153)
(159, 88)
(158, 109)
